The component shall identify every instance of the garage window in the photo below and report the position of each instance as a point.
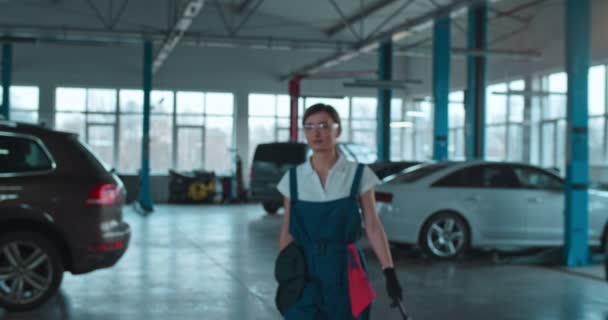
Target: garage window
(24, 103)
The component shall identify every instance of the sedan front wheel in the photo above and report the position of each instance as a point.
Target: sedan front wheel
(445, 236)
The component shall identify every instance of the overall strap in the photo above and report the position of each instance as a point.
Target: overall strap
(354, 191)
(293, 184)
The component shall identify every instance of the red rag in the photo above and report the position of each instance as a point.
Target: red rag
(361, 292)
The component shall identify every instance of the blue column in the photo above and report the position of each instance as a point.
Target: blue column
(577, 164)
(475, 97)
(7, 64)
(385, 72)
(441, 86)
(145, 196)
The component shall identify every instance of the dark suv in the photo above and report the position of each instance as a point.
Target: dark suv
(60, 210)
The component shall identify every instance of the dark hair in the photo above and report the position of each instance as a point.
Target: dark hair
(320, 107)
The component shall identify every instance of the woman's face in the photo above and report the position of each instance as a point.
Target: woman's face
(321, 132)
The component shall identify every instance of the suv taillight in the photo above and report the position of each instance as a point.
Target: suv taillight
(104, 195)
(384, 197)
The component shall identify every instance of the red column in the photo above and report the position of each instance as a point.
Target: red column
(294, 94)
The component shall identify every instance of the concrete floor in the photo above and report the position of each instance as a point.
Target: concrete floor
(217, 262)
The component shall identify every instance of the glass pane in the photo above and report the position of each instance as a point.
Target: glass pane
(218, 142)
(423, 147)
(24, 116)
(555, 107)
(456, 97)
(408, 144)
(496, 142)
(263, 105)
(561, 146)
(367, 138)
(517, 85)
(161, 101)
(24, 98)
(396, 109)
(364, 124)
(459, 137)
(131, 100)
(596, 140)
(101, 118)
(496, 108)
(191, 120)
(516, 142)
(70, 99)
(161, 139)
(548, 145)
(558, 82)
(516, 108)
(283, 135)
(261, 130)
(396, 152)
(130, 143)
(219, 103)
(597, 90)
(283, 123)
(283, 105)
(70, 122)
(422, 116)
(456, 115)
(456, 144)
(364, 108)
(452, 140)
(189, 148)
(101, 141)
(190, 102)
(101, 100)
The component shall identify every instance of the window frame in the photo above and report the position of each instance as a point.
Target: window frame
(42, 147)
(439, 182)
(541, 171)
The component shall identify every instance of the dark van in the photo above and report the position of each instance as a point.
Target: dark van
(270, 162)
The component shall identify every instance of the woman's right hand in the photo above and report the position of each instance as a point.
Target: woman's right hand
(393, 287)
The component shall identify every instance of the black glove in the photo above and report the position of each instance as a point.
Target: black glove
(393, 288)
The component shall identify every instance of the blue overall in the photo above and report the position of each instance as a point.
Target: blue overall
(324, 229)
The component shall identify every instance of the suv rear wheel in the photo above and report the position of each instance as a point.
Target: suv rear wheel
(31, 270)
(271, 207)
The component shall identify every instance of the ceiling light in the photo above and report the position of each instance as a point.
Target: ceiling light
(400, 35)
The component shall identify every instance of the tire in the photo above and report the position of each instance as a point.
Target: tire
(31, 270)
(271, 207)
(445, 236)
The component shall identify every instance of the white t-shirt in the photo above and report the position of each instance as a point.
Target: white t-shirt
(338, 184)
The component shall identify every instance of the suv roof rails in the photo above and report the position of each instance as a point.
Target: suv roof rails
(7, 123)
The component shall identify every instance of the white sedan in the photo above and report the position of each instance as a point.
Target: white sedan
(448, 207)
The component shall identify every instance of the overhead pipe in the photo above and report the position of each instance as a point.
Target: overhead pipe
(129, 37)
